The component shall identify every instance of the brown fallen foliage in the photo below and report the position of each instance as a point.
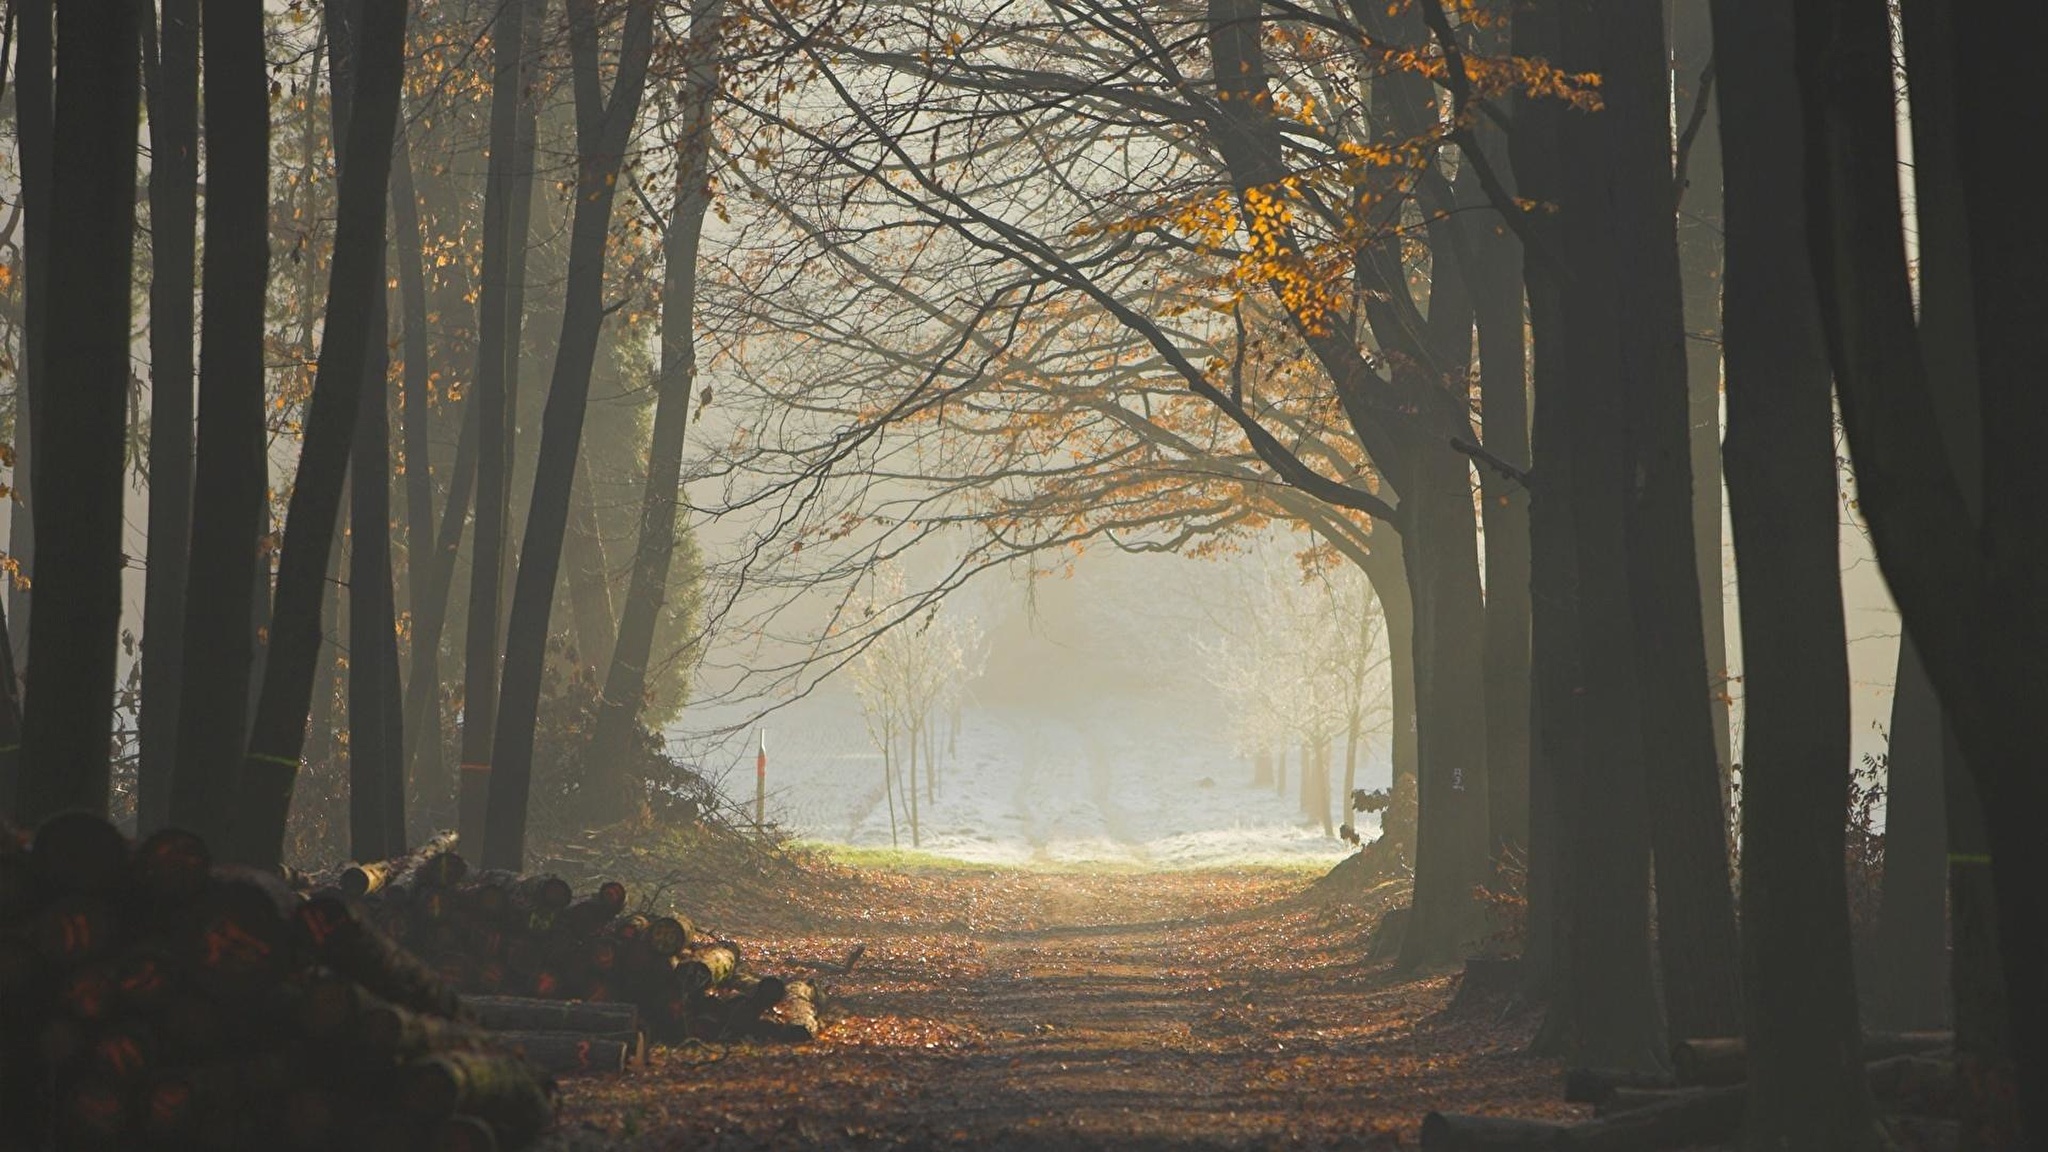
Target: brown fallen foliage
(1023, 1009)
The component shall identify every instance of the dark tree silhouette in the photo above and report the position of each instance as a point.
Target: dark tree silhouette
(233, 472)
(171, 67)
(354, 284)
(603, 128)
(1807, 1085)
(82, 424)
(1941, 444)
(376, 762)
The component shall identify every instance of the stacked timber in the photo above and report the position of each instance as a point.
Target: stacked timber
(150, 998)
(514, 944)
(1912, 1075)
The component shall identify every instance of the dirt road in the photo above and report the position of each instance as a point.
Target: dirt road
(1022, 1009)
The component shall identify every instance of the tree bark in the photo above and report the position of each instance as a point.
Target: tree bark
(376, 765)
(1451, 838)
(232, 480)
(1495, 280)
(83, 425)
(34, 121)
(1948, 337)
(353, 287)
(1696, 938)
(498, 323)
(1607, 1012)
(1555, 673)
(602, 130)
(1807, 1087)
(1912, 925)
(421, 760)
(173, 215)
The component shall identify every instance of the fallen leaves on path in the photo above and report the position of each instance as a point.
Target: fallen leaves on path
(997, 1008)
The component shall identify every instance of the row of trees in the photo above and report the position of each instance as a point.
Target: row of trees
(1457, 289)
(910, 680)
(1309, 669)
(303, 287)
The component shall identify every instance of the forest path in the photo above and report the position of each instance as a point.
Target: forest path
(1024, 1009)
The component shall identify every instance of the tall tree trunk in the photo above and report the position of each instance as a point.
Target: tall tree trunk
(1985, 1039)
(34, 122)
(422, 705)
(602, 130)
(433, 573)
(1554, 669)
(1807, 1087)
(498, 322)
(1912, 924)
(376, 765)
(82, 426)
(1607, 1011)
(173, 213)
(1696, 939)
(423, 691)
(232, 479)
(1699, 256)
(354, 285)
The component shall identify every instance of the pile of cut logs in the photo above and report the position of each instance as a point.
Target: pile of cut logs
(149, 998)
(1700, 1104)
(514, 944)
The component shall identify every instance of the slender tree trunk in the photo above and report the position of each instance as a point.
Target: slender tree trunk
(82, 427)
(590, 594)
(602, 131)
(422, 707)
(173, 214)
(1699, 255)
(330, 671)
(1555, 675)
(354, 286)
(1496, 286)
(233, 473)
(1807, 1087)
(889, 793)
(34, 45)
(916, 835)
(498, 324)
(625, 682)
(423, 691)
(1912, 925)
(1696, 938)
(376, 769)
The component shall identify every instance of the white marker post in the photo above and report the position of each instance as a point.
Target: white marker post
(761, 784)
